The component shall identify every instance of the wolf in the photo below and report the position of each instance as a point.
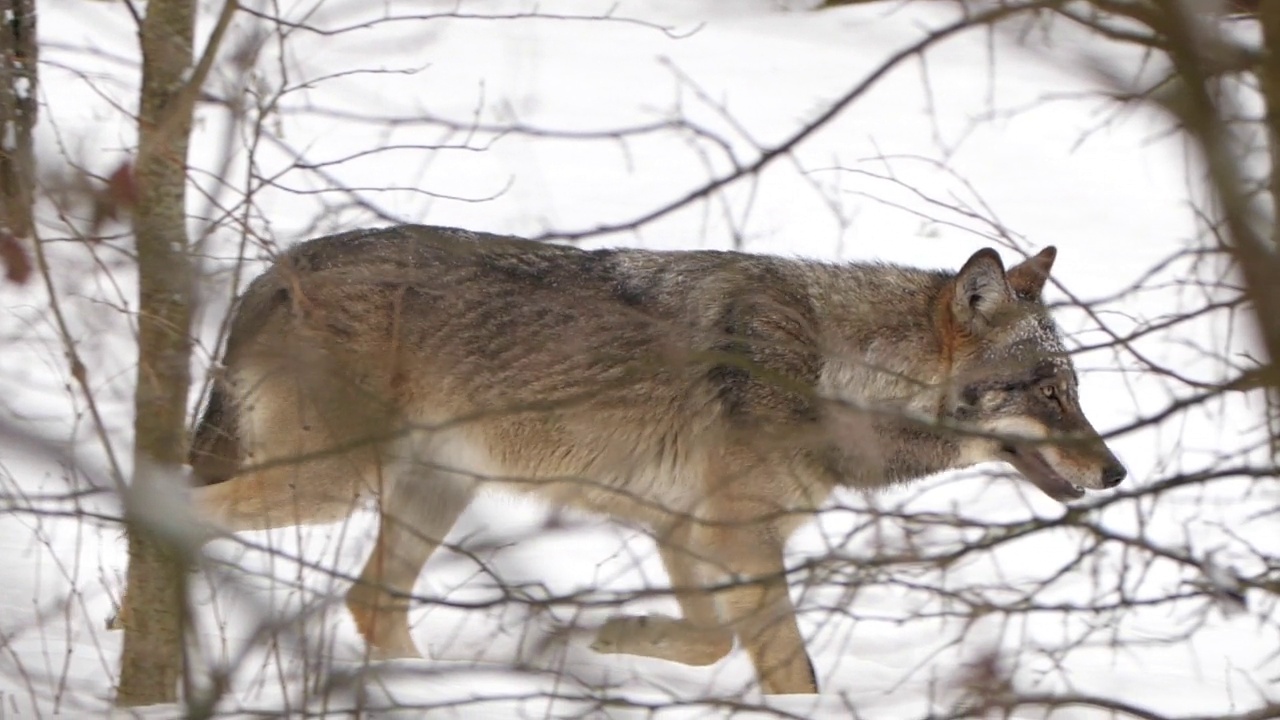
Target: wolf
(714, 399)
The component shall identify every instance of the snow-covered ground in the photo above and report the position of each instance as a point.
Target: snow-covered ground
(546, 125)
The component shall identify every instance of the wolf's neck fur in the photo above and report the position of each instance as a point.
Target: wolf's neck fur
(884, 372)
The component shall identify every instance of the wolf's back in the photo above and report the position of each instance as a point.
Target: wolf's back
(216, 447)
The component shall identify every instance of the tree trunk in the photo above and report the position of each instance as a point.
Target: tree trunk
(152, 657)
(17, 118)
(1269, 77)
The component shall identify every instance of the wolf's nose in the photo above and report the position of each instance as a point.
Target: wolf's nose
(1113, 474)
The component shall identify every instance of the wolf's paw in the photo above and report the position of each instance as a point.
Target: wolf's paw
(663, 637)
(401, 648)
(631, 634)
(119, 614)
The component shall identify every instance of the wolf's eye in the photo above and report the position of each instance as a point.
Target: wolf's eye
(1049, 391)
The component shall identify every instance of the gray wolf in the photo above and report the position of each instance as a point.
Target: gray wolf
(715, 399)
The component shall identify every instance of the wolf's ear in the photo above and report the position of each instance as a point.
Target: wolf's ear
(1028, 277)
(980, 289)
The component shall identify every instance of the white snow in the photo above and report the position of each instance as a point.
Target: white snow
(1007, 132)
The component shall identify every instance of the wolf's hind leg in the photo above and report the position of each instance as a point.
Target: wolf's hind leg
(312, 484)
(310, 493)
(698, 638)
(274, 497)
(418, 510)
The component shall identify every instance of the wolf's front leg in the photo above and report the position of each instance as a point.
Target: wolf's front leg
(759, 610)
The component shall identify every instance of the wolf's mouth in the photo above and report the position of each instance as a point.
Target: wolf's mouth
(1035, 468)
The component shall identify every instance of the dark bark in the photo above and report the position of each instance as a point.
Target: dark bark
(17, 119)
(1269, 76)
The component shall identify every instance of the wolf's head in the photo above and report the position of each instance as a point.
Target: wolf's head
(1014, 383)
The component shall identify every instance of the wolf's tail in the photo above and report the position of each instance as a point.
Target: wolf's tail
(215, 449)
